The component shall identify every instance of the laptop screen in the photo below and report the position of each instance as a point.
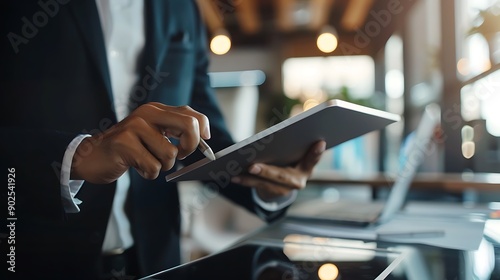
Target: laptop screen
(418, 150)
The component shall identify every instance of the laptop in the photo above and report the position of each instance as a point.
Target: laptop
(355, 213)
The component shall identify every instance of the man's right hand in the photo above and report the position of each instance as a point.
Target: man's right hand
(140, 141)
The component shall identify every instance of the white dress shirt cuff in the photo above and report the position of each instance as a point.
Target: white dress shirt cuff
(276, 204)
(69, 188)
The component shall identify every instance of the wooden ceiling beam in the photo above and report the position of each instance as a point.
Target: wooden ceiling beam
(211, 15)
(320, 12)
(284, 11)
(355, 14)
(248, 16)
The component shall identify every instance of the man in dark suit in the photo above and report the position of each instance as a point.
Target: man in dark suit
(55, 85)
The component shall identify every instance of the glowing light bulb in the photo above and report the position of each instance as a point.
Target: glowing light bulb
(328, 271)
(220, 44)
(327, 42)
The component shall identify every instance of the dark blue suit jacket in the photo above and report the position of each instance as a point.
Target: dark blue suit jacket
(55, 84)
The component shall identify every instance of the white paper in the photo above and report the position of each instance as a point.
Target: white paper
(461, 228)
(462, 233)
(331, 230)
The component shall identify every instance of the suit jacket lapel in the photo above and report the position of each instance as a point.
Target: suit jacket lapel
(87, 18)
(157, 30)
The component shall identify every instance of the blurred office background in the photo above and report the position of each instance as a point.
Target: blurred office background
(272, 58)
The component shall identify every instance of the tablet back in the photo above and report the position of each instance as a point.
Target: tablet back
(334, 121)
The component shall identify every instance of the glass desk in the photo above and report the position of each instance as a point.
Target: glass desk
(278, 252)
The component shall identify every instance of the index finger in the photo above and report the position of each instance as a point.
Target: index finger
(203, 121)
(174, 122)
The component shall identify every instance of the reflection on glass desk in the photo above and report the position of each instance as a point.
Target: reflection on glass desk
(280, 252)
(307, 257)
(289, 261)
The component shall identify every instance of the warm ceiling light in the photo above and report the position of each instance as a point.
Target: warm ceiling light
(328, 271)
(309, 103)
(327, 41)
(463, 66)
(220, 43)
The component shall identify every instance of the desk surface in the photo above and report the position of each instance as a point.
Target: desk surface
(278, 252)
(452, 182)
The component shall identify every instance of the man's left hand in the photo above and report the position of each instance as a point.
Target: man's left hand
(272, 181)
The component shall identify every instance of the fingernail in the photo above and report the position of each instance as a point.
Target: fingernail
(321, 147)
(255, 169)
(236, 180)
(206, 133)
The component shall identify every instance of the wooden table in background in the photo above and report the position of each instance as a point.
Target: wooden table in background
(451, 182)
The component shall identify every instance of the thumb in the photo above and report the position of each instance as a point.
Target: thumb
(312, 157)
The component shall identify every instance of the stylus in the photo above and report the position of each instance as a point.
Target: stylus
(206, 150)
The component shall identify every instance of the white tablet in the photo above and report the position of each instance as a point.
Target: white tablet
(334, 121)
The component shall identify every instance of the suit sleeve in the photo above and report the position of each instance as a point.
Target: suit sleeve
(204, 100)
(35, 156)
